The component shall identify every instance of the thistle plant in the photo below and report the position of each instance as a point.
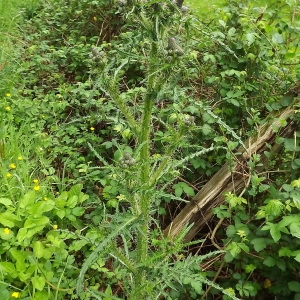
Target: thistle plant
(149, 50)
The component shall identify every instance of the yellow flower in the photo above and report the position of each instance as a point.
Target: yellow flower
(8, 175)
(45, 198)
(35, 180)
(36, 187)
(55, 227)
(20, 157)
(6, 230)
(12, 166)
(121, 197)
(92, 128)
(7, 108)
(15, 294)
(95, 18)
(267, 283)
(8, 95)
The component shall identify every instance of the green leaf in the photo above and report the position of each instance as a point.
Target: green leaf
(277, 38)
(8, 268)
(269, 261)
(284, 251)
(259, 244)
(234, 249)
(72, 201)
(206, 129)
(197, 286)
(78, 211)
(20, 257)
(295, 230)
(274, 208)
(39, 208)
(250, 37)
(294, 286)
(38, 282)
(6, 202)
(8, 219)
(36, 222)
(27, 201)
(189, 190)
(38, 249)
(275, 234)
(297, 258)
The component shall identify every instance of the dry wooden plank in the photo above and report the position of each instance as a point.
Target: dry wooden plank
(232, 177)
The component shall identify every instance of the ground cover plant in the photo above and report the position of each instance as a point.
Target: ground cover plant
(117, 113)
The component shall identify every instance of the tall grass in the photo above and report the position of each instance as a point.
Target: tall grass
(10, 37)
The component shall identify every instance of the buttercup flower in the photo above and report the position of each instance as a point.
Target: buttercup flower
(92, 128)
(95, 18)
(35, 180)
(7, 108)
(12, 166)
(15, 294)
(8, 95)
(55, 227)
(8, 175)
(45, 198)
(20, 157)
(36, 187)
(6, 230)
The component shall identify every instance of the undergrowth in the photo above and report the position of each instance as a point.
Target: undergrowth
(113, 115)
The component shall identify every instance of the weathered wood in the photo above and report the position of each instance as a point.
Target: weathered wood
(232, 177)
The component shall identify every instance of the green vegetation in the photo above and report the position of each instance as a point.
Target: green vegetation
(113, 115)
